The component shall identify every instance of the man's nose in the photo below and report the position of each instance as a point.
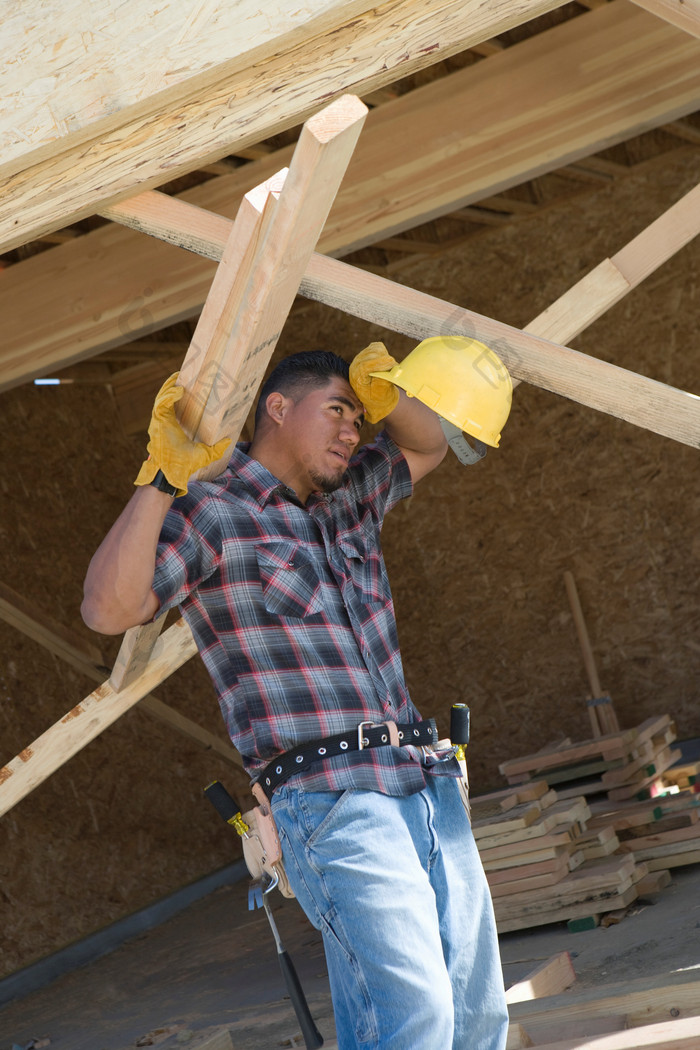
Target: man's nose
(349, 433)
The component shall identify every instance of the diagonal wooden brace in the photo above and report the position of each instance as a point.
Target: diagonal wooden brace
(534, 354)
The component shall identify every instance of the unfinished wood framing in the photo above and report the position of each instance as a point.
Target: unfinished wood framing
(233, 103)
(128, 289)
(378, 299)
(559, 369)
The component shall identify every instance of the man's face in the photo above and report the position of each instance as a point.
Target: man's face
(321, 432)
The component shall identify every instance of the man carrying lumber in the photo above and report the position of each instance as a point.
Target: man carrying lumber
(278, 569)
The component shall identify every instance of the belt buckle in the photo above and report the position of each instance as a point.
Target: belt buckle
(362, 741)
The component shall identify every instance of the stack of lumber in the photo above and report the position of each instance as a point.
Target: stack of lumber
(663, 833)
(659, 1013)
(628, 764)
(587, 827)
(544, 864)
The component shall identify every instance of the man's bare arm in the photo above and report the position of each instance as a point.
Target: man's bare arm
(416, 430)
(118, 585)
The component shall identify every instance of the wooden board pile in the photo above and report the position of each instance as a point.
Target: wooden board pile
(544, 864)
(659, 1013)
(586, 828)
(628, 764)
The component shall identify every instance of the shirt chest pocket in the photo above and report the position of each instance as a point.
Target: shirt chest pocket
(289, 580)
(364, 562)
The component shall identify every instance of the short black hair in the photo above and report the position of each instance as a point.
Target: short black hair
(300, 373)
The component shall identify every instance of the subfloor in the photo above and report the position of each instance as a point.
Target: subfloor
(214, 965)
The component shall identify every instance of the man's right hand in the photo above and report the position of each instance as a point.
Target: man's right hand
(169, 447)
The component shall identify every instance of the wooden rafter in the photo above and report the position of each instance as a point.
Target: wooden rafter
(534, 354)
(230, 104)
(108, 287)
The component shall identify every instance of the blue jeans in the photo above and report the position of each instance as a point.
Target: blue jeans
(398, 891)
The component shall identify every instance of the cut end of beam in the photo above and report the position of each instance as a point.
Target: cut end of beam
(336, 118)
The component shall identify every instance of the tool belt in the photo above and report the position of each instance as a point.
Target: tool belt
(366, 735)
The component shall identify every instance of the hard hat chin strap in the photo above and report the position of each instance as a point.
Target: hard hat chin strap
(459, 444)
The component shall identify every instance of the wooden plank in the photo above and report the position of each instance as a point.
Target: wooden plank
(680, 1034)
(67, 645)
(89, 718)
(586, 648)
(542, 847)
(678, 859)
(134, 652)
(263, 261)
(685, 14)
(516, 819)
(508, 869)
(653, 771)
(229, 102)
(562, 370)
(524, 883)
(106, 288)
(635, 1003)
(596, 881)
(510, 917)
(251, 297)
(551, 977)
(95, 77)
(648, 842)
(517, 1037)
(616, 745)
(86, 658)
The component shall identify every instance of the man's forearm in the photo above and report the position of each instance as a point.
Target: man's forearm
(119, 582)
(416, 430)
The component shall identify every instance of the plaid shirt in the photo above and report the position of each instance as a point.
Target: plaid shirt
(292, 613)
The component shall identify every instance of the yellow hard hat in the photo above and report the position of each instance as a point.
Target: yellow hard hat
(462, 380)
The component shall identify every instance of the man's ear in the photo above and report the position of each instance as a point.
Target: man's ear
(276, 405)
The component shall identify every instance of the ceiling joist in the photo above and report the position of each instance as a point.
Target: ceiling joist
(597, 79)
(273, 82)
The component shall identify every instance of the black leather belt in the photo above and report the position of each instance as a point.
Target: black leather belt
(366, 734)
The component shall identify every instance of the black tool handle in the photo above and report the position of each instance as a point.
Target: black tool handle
(312, 1036)
(459, 724)
(222, 802)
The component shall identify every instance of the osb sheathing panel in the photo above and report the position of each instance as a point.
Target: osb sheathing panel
(476, 557)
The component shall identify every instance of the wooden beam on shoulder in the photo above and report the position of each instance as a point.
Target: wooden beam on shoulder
(253, 290)
(141, 121)
(262, 262)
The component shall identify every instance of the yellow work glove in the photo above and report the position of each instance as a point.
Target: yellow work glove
(170, 449)
(379, 396)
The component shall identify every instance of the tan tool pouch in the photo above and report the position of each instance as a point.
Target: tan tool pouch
(261, 846)
(463, 782)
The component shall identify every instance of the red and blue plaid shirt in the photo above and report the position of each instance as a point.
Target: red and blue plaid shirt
(291, 610)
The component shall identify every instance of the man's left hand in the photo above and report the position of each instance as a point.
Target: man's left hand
(379, 396)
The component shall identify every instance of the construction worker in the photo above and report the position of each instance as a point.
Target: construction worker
(278, 569)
